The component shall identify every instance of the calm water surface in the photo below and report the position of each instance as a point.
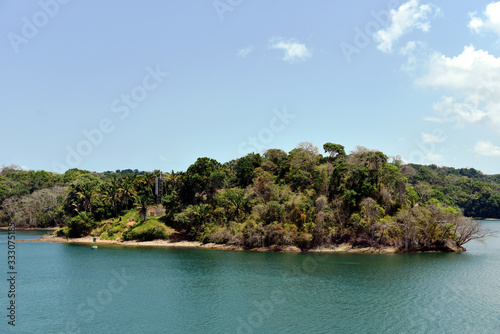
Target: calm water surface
(64, 288)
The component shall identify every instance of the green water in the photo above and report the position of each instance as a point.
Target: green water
(63, 288)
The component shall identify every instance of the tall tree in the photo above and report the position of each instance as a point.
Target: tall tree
(334, 150)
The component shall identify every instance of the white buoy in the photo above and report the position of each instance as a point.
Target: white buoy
(94, 246)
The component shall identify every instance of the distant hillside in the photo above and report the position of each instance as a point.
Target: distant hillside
(476, 194)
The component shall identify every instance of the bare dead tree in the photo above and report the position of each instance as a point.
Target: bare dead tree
(424, 190)
(387, 199)
(309, 147)
(340, 215)
(10, 169)
(408, 171)
(408, 226)
(467, 230)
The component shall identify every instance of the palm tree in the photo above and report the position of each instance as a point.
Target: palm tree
(145, 184)
(85, 192)
(110, 191)
(127, 189)
(142, 202)
(236, 199)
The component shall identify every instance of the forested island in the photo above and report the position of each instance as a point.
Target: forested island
(275, 200)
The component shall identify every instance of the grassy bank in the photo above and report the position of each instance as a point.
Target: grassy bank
(124, 228)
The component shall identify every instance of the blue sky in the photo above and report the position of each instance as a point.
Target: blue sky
(105, 85)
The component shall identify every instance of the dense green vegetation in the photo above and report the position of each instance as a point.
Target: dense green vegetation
(278, 199)
(476, 194)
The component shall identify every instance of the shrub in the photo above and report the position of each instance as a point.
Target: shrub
(80, 225)
(253, 235)
(304, 240)
(146, 234)
(276, 235)
(220, 236)
(62, 232)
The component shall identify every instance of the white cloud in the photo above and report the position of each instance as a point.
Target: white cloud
(469, 69)
(409, 16)
(471, 82)
(475, 23)
(458, 113)
(487, 149)
(490, 22)
(415, 52)
(245, 51)
(294, 51)
(433, 119)
(432, 138)
(408, 48)
(427, 159)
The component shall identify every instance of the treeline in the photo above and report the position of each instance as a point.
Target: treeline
(300, 198)
(476, 194)
(44, 199)
(126, 171)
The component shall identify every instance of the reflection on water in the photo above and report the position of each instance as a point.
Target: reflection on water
(71, 289)
(23, 235)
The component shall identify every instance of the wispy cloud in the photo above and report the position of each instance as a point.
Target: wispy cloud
(490, 21)
(245, 51)
(458, 112)
(408, 48)
(164, 159)
(486, 149)
(434, 119)
(294, 51)
(409, 16)
(434, 158)
(415, 52)
(431, 138)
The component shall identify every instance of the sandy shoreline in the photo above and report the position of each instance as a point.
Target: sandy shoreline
(343, 248)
